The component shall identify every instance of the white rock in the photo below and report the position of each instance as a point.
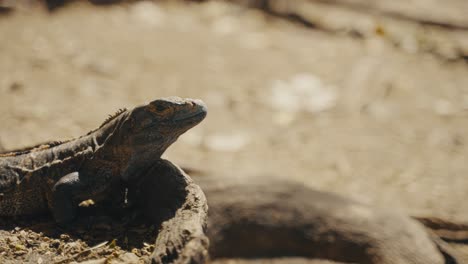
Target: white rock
(284, 118)
(147, 13)
(302, 92)
(444, 107)
(215, 9)
(225, 25)
(227, 142)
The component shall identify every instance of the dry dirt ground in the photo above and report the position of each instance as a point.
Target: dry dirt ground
(370, 105)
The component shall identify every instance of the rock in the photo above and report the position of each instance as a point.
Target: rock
(72, 247)
(302, 92)
(147, 13)
(126, 258)
(23, 233)
(94, 261)
(65, 237)
(168, 185)
(12, 239)
(55, 243)
(444, 107)
(227, 142)
(226, 25)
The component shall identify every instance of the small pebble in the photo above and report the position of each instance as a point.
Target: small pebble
(20, 252)
(65, 237)
(20, 247)
(12, 239)
(129, 258)
(55, 243)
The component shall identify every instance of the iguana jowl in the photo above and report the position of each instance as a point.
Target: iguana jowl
(58, 175)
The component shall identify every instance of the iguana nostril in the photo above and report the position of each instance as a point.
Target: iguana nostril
(200, 104)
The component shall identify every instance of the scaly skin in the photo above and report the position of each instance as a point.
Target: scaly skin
(59, 175)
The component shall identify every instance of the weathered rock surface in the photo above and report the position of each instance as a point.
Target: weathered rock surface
(169, 194)
(271, 218)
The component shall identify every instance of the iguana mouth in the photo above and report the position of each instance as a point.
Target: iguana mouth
(195, 116)
(182, 120)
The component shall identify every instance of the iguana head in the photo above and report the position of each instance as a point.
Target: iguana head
(146, 131)
(156, 125)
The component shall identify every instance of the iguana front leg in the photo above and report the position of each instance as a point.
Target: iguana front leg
(63, 203)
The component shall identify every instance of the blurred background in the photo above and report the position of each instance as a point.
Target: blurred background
(368, 99)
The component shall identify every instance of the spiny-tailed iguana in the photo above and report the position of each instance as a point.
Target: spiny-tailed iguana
(59, 175)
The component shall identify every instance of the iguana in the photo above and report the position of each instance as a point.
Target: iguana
(57, 176)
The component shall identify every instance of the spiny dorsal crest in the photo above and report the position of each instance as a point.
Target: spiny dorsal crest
(47, 145)
(112, 117)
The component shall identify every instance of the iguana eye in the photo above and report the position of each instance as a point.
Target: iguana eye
(160, 108)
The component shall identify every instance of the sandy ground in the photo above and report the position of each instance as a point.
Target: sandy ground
(360, 116)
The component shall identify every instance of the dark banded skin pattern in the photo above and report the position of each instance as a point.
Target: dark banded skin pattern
(57, 176)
